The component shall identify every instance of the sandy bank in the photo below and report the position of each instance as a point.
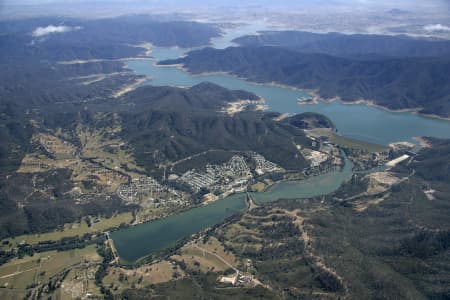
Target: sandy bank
(129, 87)
(241, 105)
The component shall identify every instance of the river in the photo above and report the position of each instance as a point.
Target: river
(357, 121)
(138, 241)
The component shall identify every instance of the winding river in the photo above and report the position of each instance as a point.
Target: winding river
(357, 121)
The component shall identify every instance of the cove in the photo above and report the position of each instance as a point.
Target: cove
(357, 121)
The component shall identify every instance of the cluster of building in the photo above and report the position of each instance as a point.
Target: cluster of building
(263, 165)
(327, 152)
(316, 158)
(146, 190)
(240, 279)
(229, 177)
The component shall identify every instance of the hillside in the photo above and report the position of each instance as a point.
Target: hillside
(36, 85)
(371, 239)
(107, 38)
(53, 153)
(70, 137)
(410, 83)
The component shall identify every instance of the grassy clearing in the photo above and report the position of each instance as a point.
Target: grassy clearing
(12, 294)
(119, 279)
(318, 132)
(61, 154)
(114, 158)
(209, 256)
(19, 274)
(258, 187)
(213, 245)
(197, 259)
(346, 142)
(73, 229)
(106, 147)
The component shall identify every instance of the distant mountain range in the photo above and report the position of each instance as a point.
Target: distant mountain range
(55, 38)
(362, 46)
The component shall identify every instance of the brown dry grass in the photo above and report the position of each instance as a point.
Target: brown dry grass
(209, 256)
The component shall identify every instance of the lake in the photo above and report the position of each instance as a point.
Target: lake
(357, 121)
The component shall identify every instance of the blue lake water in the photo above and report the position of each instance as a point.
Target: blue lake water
(358, 121)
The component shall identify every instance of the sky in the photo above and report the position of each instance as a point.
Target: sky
(68, 7)
(396, 3)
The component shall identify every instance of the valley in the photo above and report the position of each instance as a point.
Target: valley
(124, 176)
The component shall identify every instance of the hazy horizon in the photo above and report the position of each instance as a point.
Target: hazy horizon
(71, 7)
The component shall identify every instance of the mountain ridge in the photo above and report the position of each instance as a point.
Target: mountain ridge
(408, 83)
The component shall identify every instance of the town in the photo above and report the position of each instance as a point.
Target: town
(148, 192)
(230, 177)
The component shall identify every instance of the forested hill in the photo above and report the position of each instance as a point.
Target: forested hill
(394, 244)
(95, 39)
(353, 46)
(395, 83)
(60, 120)
(204, 96)
(156, 125)
(34, 83)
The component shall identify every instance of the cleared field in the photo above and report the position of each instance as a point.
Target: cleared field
(109, 157)
(57, 153)
(119, 279)
(19, 274)
(346, 142)
(74, 229)
(106, 146)
(54, 153)
(202, 260)
(209, 256)
(213, 245)
(12, 294)
(258, 187)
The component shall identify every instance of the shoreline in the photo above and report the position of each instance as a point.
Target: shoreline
(147, 46)
(423, 142)
(88, 61)
(313, 93)
(413, 111)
